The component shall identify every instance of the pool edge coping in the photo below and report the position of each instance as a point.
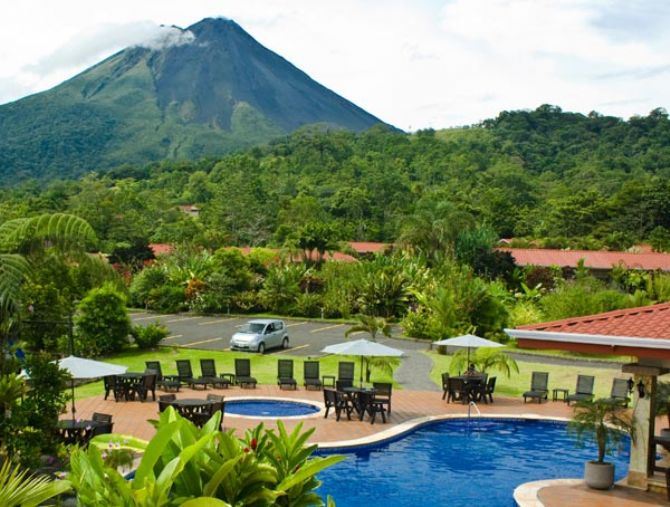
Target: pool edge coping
(528, 493)
(413, 424)
(317, 404)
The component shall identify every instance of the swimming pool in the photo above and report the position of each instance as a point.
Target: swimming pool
(270, 408)
(459, 463)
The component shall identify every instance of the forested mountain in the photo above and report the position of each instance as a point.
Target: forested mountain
(210, 92)
(563, 179)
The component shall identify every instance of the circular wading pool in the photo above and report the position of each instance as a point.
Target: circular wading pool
(270, 408)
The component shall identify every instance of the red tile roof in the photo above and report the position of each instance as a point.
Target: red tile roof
(368, 246)
(161, 248)
(643, 322)
(592, 259)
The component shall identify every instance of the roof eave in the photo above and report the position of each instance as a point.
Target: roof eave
(590, 339)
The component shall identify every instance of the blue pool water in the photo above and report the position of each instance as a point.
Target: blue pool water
(269, 408)
(455, 463)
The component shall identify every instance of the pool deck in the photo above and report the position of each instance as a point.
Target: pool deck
(131, 417)
(408, 408)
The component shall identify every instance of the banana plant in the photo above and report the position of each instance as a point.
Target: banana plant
(200, 467)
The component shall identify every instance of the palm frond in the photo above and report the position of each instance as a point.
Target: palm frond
(17, 488)
(57, 229)
(13, 270)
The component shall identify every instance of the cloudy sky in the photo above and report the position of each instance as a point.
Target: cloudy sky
(413, 63)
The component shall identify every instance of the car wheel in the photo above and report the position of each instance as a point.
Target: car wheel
(261, 348)
(284, 344)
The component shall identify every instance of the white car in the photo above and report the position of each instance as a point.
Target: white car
(259, 335)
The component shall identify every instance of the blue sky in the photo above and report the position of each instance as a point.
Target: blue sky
(415, 64)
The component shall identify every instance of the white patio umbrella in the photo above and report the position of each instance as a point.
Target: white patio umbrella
(470, 341)
(362, 348)
(81, 369)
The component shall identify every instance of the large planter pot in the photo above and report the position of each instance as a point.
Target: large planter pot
(599, 475)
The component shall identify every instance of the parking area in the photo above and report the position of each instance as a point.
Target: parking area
(214, 332)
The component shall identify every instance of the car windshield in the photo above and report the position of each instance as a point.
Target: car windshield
(252, 328)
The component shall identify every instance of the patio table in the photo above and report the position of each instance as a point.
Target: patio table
(193, 409)
(77, 432)
(353, 393)
(473, 385)
(128, 382)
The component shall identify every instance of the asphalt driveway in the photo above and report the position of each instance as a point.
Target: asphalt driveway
(306, 338)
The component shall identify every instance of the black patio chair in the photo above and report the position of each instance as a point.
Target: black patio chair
(340, 385)
(383, 391)
(486, 390)
(345, 371)
(369, 404)
(312, 375)
(584, 389)
(185, 374)
(337, 401)
(164, 382)
(538, 387)
(619, 393)
(285, 374)
(208, 370)
(243, 373)
(457, 391)
(148, 385)
(445, 385)
(114, 385)
(218, 405)
(103, 424)
(165, 400)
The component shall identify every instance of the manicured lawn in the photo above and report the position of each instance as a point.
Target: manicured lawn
(559, 376)
(263, 367)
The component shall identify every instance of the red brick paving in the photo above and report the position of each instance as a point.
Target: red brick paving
(131, 417)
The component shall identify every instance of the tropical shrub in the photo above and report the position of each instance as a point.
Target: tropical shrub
(281, 287)
(144, 282)
(167, 298)
(186, 465)
(102, 323)
(149, 336)
(19, 489)
(485, 360)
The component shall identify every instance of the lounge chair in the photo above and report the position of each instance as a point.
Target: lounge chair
(383, 391)
(345, 371)
(243, 376)
(337, 401)
(538, 387)
(208, 370)
(285, 374)
(185, 374)
(164, 382)
(619, 393)
(445, 385)
(584, 390)
(311, 375)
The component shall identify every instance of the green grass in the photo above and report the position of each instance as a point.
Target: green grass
(263, 367)
(559, 376)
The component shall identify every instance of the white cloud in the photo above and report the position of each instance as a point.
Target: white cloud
(412, 63)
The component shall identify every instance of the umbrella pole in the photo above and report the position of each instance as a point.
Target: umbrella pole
(73, 409)
(361, 375)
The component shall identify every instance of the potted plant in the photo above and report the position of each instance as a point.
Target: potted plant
(606, 423)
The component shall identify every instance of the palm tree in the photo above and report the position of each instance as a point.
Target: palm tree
(485, 359)
(373, 325)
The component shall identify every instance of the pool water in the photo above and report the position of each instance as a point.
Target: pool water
(269, 408)
(459, 463)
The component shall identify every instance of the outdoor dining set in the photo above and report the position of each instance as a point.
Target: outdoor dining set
(469, 387)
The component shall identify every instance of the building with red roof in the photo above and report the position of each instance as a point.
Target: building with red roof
(643, 332)
(369, 247)
(597, 260)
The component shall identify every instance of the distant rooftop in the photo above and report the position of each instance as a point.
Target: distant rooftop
(593, 259)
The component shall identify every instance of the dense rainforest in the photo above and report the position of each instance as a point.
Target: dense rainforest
(561, 179)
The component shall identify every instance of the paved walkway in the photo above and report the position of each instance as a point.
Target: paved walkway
(581, 496)
(414, 370)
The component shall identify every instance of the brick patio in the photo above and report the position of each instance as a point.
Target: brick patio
(131, 417)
